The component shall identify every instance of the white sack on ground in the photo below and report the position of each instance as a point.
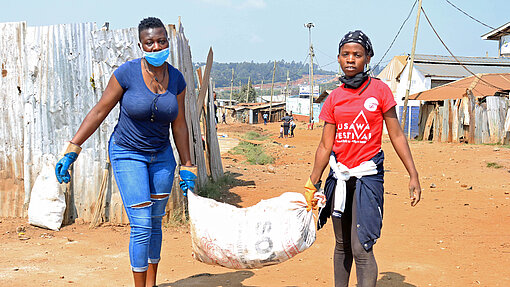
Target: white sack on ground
(47, 200)
(267, 233)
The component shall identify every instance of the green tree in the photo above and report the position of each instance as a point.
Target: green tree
(221, 73)
(241, 96)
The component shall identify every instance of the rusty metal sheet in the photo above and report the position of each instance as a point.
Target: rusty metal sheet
(51, 77)
(11, 115)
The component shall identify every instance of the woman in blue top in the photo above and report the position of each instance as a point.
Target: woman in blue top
(151, 95)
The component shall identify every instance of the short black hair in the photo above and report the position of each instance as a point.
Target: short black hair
(149, 22)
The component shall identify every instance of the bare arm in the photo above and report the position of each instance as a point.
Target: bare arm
(180, 132)
(111, 96)
(323, 152)
(399, 142)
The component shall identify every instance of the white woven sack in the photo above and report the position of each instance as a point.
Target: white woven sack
(47, 200)
(267, 233)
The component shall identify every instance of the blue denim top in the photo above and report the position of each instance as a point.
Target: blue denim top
(369, 202)
(134, 129)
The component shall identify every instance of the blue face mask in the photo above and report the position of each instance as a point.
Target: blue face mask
(157, 58)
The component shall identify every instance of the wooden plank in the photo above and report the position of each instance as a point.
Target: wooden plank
(471, 112)
(450, 121)
(438, 124)
(205, 81)
(213, 147)
(444, 123)
(425, 111)
(199, 77)
(192, 117)
(204, 120)
(455, 120)
(428, 124)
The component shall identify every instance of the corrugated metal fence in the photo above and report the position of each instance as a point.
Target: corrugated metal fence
(468, 119)
(51, 77)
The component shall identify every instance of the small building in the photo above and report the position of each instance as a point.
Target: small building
(299, 105)
(473, 110)
(391, 72)
(502, 35)
(252, 113)
(430, 71)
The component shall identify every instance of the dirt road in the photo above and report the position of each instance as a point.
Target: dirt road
(459, 235)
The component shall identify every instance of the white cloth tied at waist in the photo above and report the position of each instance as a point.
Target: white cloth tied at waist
(342, 173)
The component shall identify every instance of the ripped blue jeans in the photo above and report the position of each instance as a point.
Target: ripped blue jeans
(145, 181)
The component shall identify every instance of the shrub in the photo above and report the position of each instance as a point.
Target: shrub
(494, 165)
(213, 189)
(254, 153)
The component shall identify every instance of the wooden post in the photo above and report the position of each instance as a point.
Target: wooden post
(471, 110)
(411, 63)
(272, 87)
(450, 122)
(287, 89)
(231, 87)
(248, 89)
(213, 159)
(428, 124)
(205, 82)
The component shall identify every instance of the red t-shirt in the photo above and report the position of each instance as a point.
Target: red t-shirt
(358, 120)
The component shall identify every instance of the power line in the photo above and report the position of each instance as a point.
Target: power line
(320, 67)
(325, 54)
(392, 42)
(442, 42)
(470, 15)
(304, 62)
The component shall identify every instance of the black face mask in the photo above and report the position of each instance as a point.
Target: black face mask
(356, 81)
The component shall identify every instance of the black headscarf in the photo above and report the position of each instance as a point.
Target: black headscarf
(357, 37)
(361, 38)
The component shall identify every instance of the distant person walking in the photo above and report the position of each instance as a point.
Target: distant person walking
(264, 116)
(215, 108)
(352, 147)
(292, 127)
(286, 125)
(223, 118)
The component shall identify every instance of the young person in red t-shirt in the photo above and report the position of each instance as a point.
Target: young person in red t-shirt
(351, 144)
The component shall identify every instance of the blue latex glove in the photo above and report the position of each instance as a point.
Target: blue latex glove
(188, 176)
(62, 167)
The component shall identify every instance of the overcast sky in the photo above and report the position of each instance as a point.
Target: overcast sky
(266, 30)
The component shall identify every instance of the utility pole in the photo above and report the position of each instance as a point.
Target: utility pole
(261, 86)
(248, 89)
(311, 54)
(272, 88)
(286, 89)
(231, 86)
(409, 77)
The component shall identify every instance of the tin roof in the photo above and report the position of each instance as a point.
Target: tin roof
(481, 86)
(497, 33)
(449, 67)
(486, 61)
(458, 71)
